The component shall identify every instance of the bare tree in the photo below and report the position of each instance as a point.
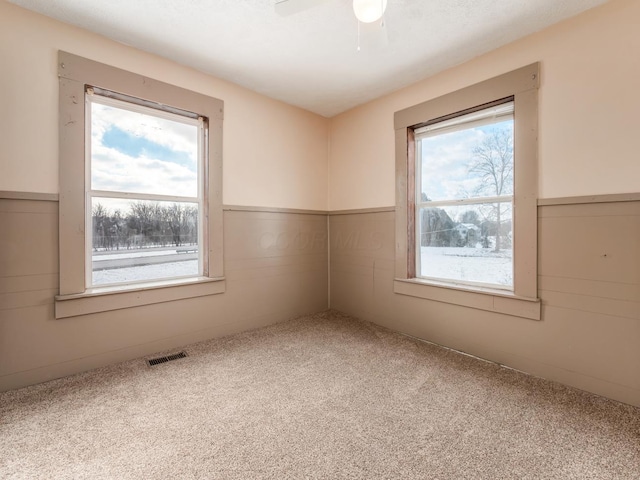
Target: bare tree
(190, 224)
(175, 214)
(493, 162)
(470, 216)
(99, 216)
(144, 217)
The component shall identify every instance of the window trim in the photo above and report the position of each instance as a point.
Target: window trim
(75, 75)
(521, 84)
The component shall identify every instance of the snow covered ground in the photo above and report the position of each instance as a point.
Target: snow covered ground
(481, 265)
(467, 264)
(132, 254)
(146, 272)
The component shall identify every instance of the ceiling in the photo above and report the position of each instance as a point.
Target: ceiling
(310, 59)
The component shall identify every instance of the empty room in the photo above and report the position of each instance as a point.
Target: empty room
(367, 239)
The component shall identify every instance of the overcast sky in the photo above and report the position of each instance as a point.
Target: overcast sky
(134, 152)
(446, 159)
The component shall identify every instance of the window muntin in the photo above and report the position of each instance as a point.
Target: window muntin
(144, 192)
(464, 197)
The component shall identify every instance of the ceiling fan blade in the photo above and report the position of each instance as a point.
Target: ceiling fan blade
(291, 7)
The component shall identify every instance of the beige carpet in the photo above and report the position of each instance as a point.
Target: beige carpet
(324, 396)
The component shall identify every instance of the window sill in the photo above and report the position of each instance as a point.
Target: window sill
(497, 301)
(104, 299)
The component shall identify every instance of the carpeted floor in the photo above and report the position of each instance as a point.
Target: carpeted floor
(324, 396)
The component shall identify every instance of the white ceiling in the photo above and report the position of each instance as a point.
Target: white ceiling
(310, 59)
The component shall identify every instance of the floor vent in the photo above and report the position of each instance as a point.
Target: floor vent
(157, 361)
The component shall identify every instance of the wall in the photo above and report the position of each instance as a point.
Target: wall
(264, 164)
(589, 99)
(589, 286)
(275, 266)
(588, 252)
(275, 262)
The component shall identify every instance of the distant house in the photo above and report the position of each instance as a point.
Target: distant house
(469, 234)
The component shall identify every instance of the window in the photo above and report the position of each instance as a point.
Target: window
(144, 191)
(140, 190)
(464, 202)
(466, 196)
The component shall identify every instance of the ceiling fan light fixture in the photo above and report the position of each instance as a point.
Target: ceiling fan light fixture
(368, 11)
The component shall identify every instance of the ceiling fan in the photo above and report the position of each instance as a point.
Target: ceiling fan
(372, 32)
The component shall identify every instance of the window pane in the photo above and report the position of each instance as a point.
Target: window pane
(471, 161)
(135, 240)
(467, 243)
(139, 153)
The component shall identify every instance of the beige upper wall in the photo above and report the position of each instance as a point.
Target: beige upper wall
(274, 154)
(589, 103)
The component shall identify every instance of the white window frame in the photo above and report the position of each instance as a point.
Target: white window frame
(76, 76)
(94, 96)
(522, 85)
(438, 127)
